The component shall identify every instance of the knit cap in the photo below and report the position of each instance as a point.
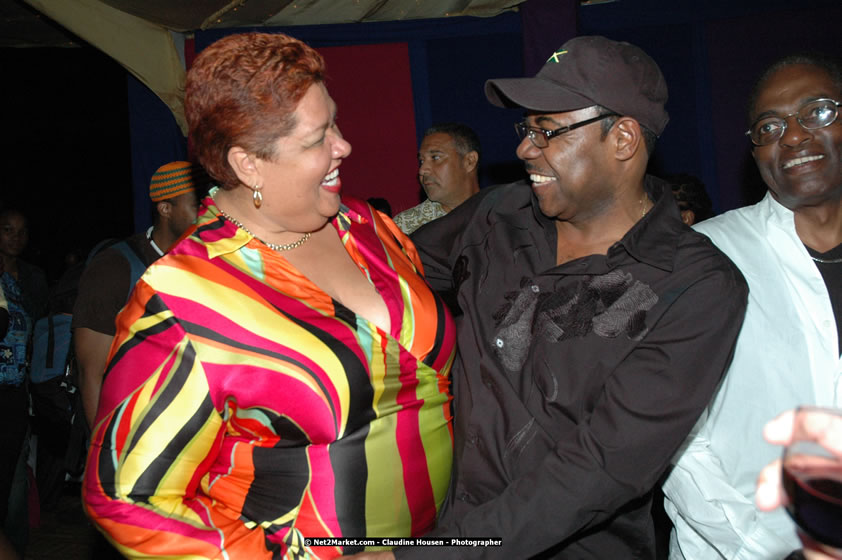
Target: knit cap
(174, 179)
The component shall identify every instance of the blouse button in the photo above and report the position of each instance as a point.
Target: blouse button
(535, 288)
(499, 342)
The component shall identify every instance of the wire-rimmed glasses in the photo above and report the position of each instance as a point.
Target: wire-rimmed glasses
(811, 116)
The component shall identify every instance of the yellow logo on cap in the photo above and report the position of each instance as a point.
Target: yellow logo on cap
(554, 57)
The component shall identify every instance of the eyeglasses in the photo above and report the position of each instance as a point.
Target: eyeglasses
(540, 137)
(811, 116)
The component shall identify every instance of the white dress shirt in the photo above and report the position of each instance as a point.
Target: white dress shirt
(786, 355)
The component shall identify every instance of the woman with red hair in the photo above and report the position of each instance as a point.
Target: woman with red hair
(282, 373)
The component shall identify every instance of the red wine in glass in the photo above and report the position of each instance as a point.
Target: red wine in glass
(815, 499)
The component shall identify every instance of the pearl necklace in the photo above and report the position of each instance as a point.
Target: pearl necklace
(285, 247)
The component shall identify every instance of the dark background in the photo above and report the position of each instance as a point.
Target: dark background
(66, 159)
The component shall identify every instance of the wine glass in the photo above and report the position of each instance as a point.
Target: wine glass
(812, 478)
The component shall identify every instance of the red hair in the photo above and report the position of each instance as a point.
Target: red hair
(242, 91)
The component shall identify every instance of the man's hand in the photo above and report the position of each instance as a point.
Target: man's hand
(770, 493)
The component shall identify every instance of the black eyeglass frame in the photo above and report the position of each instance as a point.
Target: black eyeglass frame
(797, 116)
(522, 129)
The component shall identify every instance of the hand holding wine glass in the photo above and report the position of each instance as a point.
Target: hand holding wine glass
(808, 480)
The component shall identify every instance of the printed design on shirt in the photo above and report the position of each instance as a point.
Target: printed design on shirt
(13, 347)
(609, 305)
(410, 220)
(253, 410)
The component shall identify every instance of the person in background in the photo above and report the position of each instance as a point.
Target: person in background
(25, 289)
(5, 546)
(770, 492)
(108, 280)
(14, 238)
(789, 247)
(448, 170)
(691, 196)
(283, 372)
(585, 356)
(4, 307)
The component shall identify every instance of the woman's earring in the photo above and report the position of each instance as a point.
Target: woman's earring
(257, 196)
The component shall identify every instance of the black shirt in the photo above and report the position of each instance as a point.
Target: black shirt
(106, 285)
(830, 265)
(577, 383)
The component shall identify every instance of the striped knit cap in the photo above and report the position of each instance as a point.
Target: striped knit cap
(175, 178)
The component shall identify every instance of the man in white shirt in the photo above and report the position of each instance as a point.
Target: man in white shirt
(789, 248)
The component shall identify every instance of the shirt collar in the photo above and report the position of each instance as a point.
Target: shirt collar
(653, 239)
(776, 213)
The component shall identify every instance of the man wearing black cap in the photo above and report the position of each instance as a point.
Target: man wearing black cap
(596, 324)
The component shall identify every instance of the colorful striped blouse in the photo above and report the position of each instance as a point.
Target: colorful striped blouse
(244, 410)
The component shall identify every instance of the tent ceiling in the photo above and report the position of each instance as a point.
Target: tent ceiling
(22, 25)
(204, 14)
(138, 34)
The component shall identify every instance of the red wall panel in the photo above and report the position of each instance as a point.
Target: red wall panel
(372, 88)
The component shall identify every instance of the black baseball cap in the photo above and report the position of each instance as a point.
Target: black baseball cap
(587, 71)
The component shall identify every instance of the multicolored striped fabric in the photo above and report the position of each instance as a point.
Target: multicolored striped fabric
(244, 410)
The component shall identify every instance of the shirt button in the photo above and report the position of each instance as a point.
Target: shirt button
(472, 439)
(535, 288)
(463, 496)
(499, 342)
